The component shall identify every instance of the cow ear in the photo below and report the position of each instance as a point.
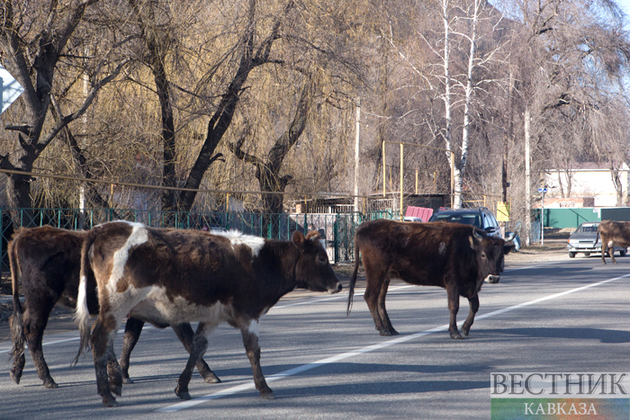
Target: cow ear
(298, 239)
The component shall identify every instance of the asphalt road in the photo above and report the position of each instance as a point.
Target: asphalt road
(555, 316)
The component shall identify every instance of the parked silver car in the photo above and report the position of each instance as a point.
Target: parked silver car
(585, 240)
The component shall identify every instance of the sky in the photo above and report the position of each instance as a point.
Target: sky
(625, 5)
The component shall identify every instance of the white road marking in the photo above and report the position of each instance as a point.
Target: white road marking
(303, 368)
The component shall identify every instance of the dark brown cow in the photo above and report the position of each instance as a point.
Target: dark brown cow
(49, 261)
(612, 233)
(456, 257)
(183, 276)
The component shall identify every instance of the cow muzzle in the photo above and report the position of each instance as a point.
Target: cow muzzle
(335, 289)
(492, 279)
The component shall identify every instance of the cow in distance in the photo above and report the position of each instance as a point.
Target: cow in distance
(612, 233)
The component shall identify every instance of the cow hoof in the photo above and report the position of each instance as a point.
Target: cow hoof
(115, 389)
(16, 376)
(184, 395)
(386, 333)
(51, 385)
(268, 395)
(110, 403)
(211, 378)
(465, 332)
(127, 381)
(456, 336)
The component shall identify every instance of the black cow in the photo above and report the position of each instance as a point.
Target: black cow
(456, 257)
(49, 260)
(183, 276)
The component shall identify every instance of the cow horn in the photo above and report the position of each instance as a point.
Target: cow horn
(476, 234)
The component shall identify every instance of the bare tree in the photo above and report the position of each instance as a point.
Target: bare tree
(252, 55)
(268, 168)
(34, 36)
(576, 57)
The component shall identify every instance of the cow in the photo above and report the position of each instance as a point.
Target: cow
(611, 233)
(48, 260)
(184, 276)
(454, 256)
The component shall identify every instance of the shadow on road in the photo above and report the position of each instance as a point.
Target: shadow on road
(603, 336)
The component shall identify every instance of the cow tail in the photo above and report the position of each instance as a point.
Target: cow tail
(17, 319)
(82, 313)
(597, 239)
(353, 279)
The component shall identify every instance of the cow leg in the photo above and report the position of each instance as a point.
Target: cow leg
(133, 328)
(375, 280)
(611, 247)
(186, 334)
(19, 360)
(113, 371)
(199, 346)
(100, 340)
(453, 308)
(388, 329)
(35, 322)
(474, 307)
(604, 247)
(252, 348)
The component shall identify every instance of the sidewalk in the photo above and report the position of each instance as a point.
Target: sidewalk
(553, 249)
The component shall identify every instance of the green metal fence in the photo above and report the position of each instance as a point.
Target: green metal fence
(567, 217)
(337, 229)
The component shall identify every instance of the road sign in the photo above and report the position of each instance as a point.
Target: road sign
(503, 211)
(542, 190)
(9, 88)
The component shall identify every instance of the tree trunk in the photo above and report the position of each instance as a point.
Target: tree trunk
(222, 118)
(448, 130)
(268, 170)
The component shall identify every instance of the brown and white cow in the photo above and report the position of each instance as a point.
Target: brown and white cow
(456, 257)
(48, 260)
(612, 233)
(183, 276)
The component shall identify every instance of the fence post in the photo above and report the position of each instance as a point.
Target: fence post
(336, 235)
(1, 236)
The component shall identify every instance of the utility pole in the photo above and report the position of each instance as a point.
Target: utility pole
(528, 204)
(542, 216)
(357, 132)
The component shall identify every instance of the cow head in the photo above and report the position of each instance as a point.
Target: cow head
(489, 253)
(313, 270)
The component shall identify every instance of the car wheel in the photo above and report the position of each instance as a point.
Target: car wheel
(572, 254)
(587, 254)
(622, 253)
